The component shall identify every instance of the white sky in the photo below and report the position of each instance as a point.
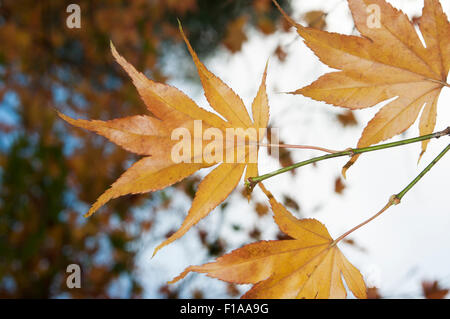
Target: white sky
(407, 244)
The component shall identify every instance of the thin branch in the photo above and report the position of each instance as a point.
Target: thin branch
(400, 195)
(252, 181)
(395, 199)
(389, 204)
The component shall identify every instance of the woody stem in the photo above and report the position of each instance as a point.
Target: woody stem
(396, 199)
(252, 181)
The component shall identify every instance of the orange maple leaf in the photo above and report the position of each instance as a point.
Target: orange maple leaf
(308, 266)
(151, 136)
(387, 61)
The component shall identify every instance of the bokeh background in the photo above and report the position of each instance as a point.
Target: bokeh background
(50, 172)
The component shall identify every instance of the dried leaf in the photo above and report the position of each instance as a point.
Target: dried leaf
(431, 290)
(280, 53)
(172, 109)
(339, 185)
(373, 293)
(308, 266)
(235, 35)
(291, 203)
(387, 61)
(315, 19)
(347, 118)
(261, 209)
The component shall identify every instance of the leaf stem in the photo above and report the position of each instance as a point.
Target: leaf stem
(395, 199)
(440, 82)
(389, 204)
(252, 181)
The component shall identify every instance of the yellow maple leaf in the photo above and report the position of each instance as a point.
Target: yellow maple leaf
(308, 266)
(387, 61)
(152, 136)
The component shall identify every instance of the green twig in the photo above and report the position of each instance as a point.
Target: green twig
(395, 199)
(252, 181)
(400, 195)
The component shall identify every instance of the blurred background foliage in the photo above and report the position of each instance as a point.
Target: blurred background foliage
(50, 172)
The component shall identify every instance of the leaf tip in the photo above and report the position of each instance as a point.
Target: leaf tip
(93, 209)
(61, 115)
(164, 243)
(88, 214)
(348, 165)
(344, 171)
(113, 49)
(181, 275)
(420, 157)
(176, 279)
(285, 15)
(267, 65)
(188, 44)
(180, 28)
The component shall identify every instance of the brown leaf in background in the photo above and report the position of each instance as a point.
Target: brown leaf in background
(280, 53)
(315, 19)
(347, 118)
(432, 290)
(339, 185)
(265, 25)
(373, 293)
(235, 35)
(291, 203)
(261, 209)
(232, 290)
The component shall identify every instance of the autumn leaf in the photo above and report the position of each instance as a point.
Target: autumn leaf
(387, 61)
(315, 19)
(261, 209)
(152, 136)
(290, 203)
(373, 293)
(280, 53)
(235, 35)
(347, 118)
(339, 185)
(432, 290)
(308, 266)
